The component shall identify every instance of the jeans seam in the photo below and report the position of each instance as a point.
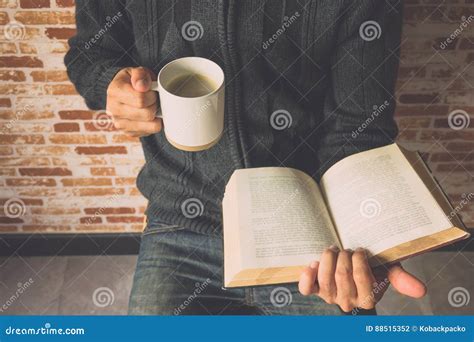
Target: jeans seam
(164, 229)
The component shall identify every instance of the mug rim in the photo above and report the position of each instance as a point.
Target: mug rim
(158, 81)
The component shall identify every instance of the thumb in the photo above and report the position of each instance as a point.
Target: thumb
(141, 79)
(406, 283)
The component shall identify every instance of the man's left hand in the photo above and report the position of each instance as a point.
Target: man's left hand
(346, 279)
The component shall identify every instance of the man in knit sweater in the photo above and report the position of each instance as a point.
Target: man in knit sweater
(326, 63)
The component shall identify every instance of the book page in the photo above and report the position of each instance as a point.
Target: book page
(283, 220)
(377, 201)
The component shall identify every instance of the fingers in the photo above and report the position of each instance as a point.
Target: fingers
(406, 283)
(346, 287)
(364, 279)
(343, 278)
(140, 79)
(138, 127)
(137, 94)
(307, 284)
(131, 103)
(326, 278)
(123, 111)
(124, 93)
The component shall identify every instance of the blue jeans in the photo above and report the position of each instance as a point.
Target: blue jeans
(180, 272)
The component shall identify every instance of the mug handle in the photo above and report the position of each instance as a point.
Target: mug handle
(154, 87)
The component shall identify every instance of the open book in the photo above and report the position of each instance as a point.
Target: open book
(277, 220)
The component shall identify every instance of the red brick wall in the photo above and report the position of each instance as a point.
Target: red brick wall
(69, 171)
(435, 93)
(67, 165)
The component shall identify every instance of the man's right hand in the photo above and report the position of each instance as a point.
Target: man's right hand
(132, 104)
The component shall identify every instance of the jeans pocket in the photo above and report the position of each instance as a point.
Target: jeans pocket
(158, 227)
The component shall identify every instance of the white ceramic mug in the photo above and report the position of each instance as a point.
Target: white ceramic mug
(191, 123)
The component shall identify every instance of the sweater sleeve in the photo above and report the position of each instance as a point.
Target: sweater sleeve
(101, 47)
(359, 103)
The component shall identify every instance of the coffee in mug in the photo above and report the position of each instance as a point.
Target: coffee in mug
(193, 85)
(191, 91)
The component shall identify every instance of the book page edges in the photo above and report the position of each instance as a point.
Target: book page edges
(291, 274)
(234, 275)
(232, 251)
(430, 242)
(279, 275)
(265, 276)
(418, 246)
(420, 167)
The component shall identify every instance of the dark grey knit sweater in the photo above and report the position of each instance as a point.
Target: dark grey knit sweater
(317, 62)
